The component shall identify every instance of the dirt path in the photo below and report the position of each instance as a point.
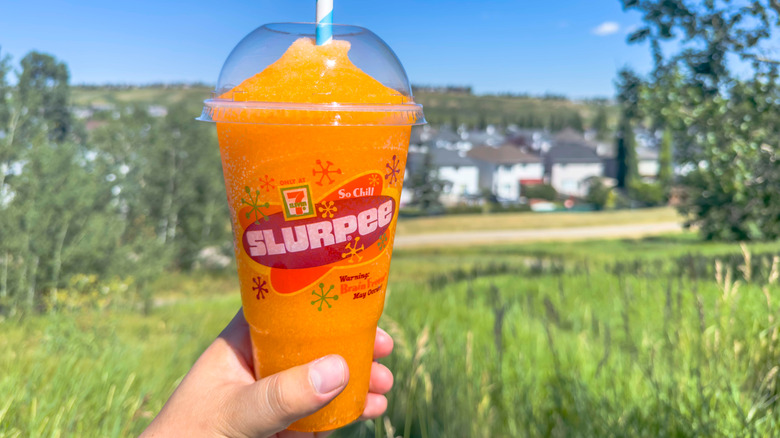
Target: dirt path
(548, 234)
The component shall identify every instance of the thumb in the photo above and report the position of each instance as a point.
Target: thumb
(273, 403)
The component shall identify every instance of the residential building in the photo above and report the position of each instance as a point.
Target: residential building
(647, 163)
(568, 166)
(460, 172)
(503, 170)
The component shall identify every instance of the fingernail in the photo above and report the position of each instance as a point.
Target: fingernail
(327, 374)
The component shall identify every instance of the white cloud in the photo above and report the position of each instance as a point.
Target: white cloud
(606, 28)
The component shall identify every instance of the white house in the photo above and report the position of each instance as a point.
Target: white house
(568, 167)
(505, 169)
(647, 163)
(460, 172)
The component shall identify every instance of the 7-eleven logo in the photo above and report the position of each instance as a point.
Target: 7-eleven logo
(297, 202)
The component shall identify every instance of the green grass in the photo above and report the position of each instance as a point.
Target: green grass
(601, 338)
(524, 221)
(101, 374)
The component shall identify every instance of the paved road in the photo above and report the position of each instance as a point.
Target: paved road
(465, 238)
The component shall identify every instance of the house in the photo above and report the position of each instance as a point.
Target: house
(490, 136)
(504, 169)
(571, 136)
(461, 173)
(445, 138)
(647, 163)
(537, 140)
(567, 166)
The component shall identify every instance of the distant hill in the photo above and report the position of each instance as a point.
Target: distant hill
(441, 107)
(142, 96)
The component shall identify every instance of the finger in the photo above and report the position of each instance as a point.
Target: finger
(376, 405)
(237, 329)
(383, 344)
(381, 380)
(273, 403)
(236, 336)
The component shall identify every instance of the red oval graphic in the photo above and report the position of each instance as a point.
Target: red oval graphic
(347, 226)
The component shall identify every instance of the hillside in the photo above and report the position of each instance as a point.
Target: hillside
(440, 107)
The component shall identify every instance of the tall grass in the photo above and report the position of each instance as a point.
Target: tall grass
(645, 347)
(621, 338)
(100, 374)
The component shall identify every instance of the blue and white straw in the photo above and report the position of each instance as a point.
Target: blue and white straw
(324, 21)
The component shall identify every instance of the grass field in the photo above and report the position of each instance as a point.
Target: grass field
(525, 221)
(665, 336)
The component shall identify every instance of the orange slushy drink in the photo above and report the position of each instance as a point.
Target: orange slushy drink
(313, 153)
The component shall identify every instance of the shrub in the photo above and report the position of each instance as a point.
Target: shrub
(540, 191)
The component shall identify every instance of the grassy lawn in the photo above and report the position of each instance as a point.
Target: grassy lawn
(601, 338)
(523, 221)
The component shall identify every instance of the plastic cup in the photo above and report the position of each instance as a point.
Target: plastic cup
(313, 190)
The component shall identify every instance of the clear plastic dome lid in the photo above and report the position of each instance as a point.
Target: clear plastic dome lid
(276, 75)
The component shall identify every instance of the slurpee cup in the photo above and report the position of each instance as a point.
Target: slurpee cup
(313, 141)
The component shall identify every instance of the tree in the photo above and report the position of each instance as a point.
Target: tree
(629, 88)
(626, 154)
(44, 90)
(575, 121)
(725, 120)
(665, 163)
(482, 122)
(598, 194)
(426, 186)
(600, 124)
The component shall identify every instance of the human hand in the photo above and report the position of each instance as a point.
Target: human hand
(220, 397)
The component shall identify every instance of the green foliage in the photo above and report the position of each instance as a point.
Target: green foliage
(629, 89)
(599, 194)
(137, 196)
(666, 163)
(84, 292)
(647, 194)
(724, 122)
(540, 191)
(600, 124)
(44, 90)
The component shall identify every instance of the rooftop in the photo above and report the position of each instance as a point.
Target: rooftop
(572, 153)
(502, 155)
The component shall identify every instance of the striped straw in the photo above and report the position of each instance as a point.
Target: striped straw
(324, 21)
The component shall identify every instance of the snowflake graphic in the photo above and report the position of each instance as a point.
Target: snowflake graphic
(327, 209)
(323, 296)
(325, 172)
(260, 286)
(352, 251)
(374, 179)
(393, 170)
(267, 184)
(382, 242)
(254, 202)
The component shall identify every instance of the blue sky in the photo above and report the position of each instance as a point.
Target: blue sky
(572, 47)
